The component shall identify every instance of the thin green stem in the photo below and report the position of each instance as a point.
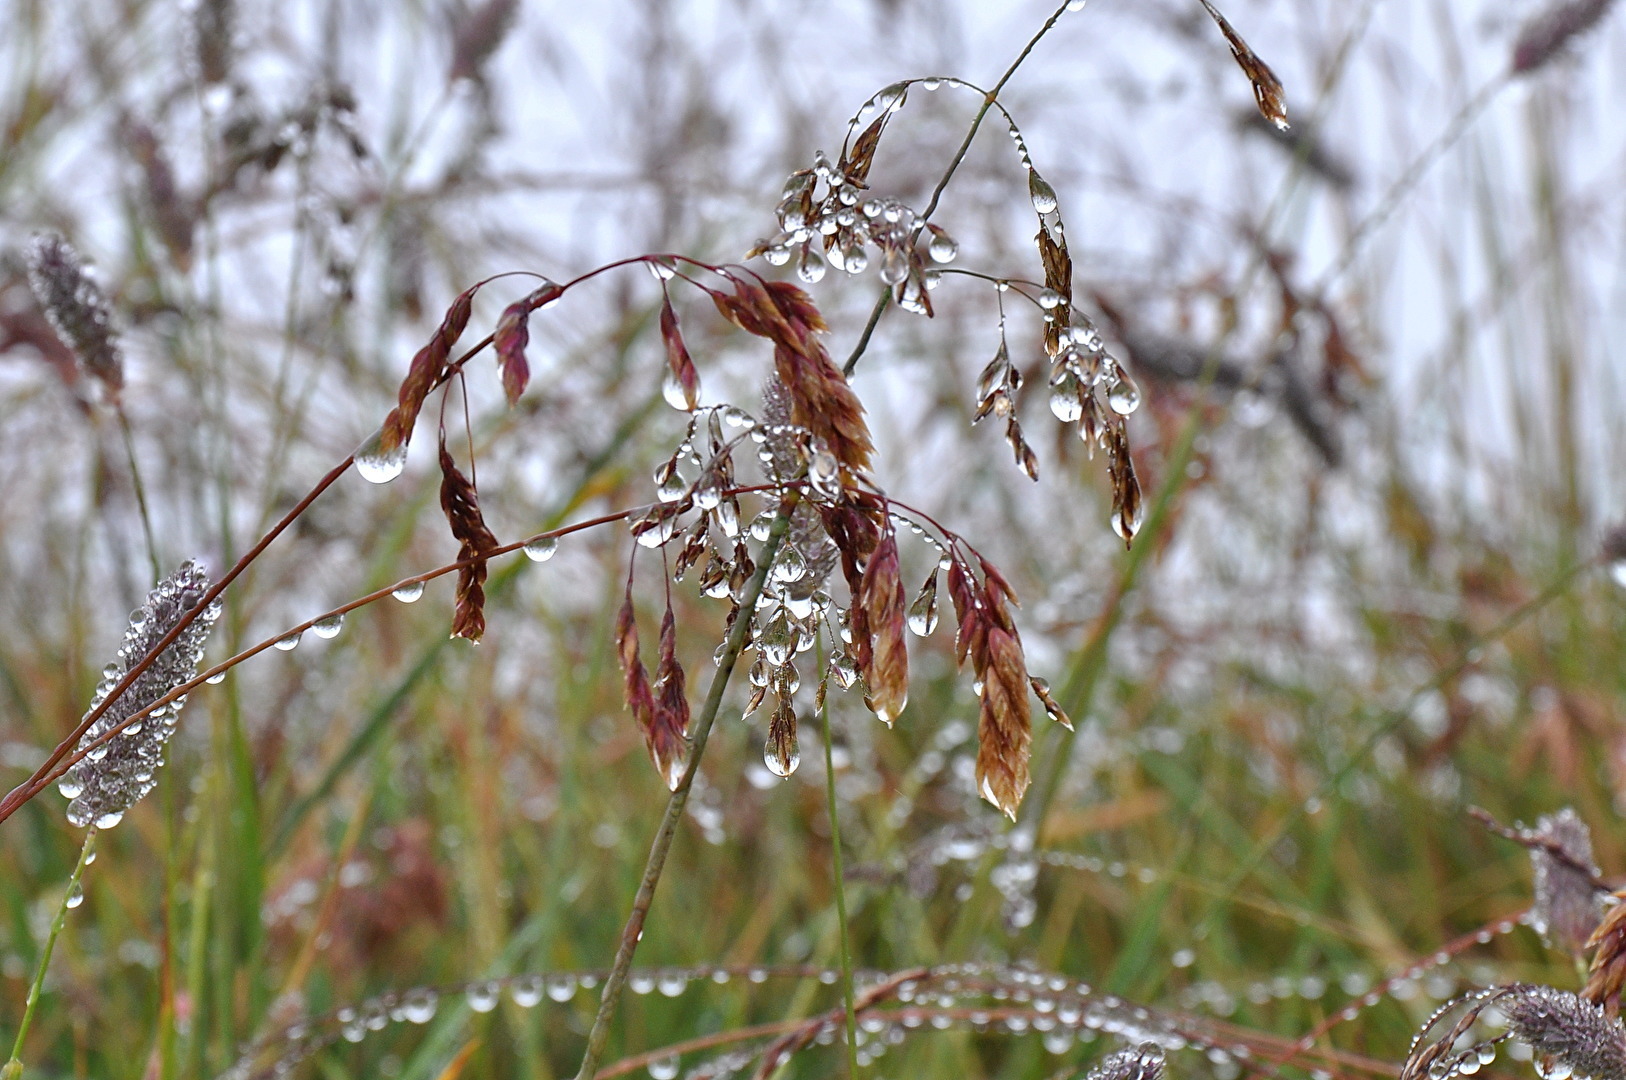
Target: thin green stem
(656, 863)
(840, 884)
(140, 490)
(988, 102)
(14, 1068)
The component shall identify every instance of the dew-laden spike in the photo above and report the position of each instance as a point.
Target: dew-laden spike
(104, 789)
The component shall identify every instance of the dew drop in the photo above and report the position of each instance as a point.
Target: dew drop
(328, 628)
(943, 247)
(1617, 571)
(810, 266)
(409, 593)
(378, 466)
(526, 990)
(854, 260)
(777, 255)
(542, 548)
(483, 997)
(923, 612)
(782, 767)
(1066, 399)
(1123, 396)
(108, 820)
(289, 643)
(69, 785)
(1076, 5)
(1042, 194)
(1049, 299)
(672, 983)
(216, 679)
(664, 1068)
(561, 987)
(640, 982)
(418, 1007)
(673, 390)
(75, 897)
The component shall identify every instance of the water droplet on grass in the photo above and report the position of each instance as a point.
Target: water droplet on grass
(418, 1007)
(483, 997)
(561, 988)
(409, 593)
(542, 548)
(1042, 194)
(75, 897)
(376, 465)
(288, 643)
(526, 990)
(328, 628)
(664, 1068)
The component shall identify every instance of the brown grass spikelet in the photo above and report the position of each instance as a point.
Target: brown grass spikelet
(669, 721)
(461, 503)
(987, 637)
(636, 691)
(76, 308)
(1606, 976)
(513, 334)
(1550, 30)
(1267, 88)
(428, 368)
(886, 675)
(821, 400)
(683, 381)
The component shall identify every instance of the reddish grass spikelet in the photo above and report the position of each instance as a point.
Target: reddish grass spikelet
(881, 598)
(513, 334)
(820, 398)
(1606, 976)
(683, 381)
(1551, 30)
(461, 502)
(987, 637)
(1267, 88)
(636, 690)
(429, 367)
(669, 721)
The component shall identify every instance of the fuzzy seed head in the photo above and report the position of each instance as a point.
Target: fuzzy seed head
(74, 304)
(1568, 1029)
(104, 786)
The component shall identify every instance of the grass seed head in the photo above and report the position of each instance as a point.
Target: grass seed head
(76, 307)
(115, 776)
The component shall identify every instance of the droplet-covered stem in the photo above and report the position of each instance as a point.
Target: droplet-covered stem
(13, 1069)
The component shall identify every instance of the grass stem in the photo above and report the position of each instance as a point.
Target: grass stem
(656, 863)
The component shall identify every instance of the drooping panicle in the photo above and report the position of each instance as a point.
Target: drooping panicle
(116, 775)
(77, 308)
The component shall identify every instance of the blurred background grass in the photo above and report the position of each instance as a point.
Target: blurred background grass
(1286, 696)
